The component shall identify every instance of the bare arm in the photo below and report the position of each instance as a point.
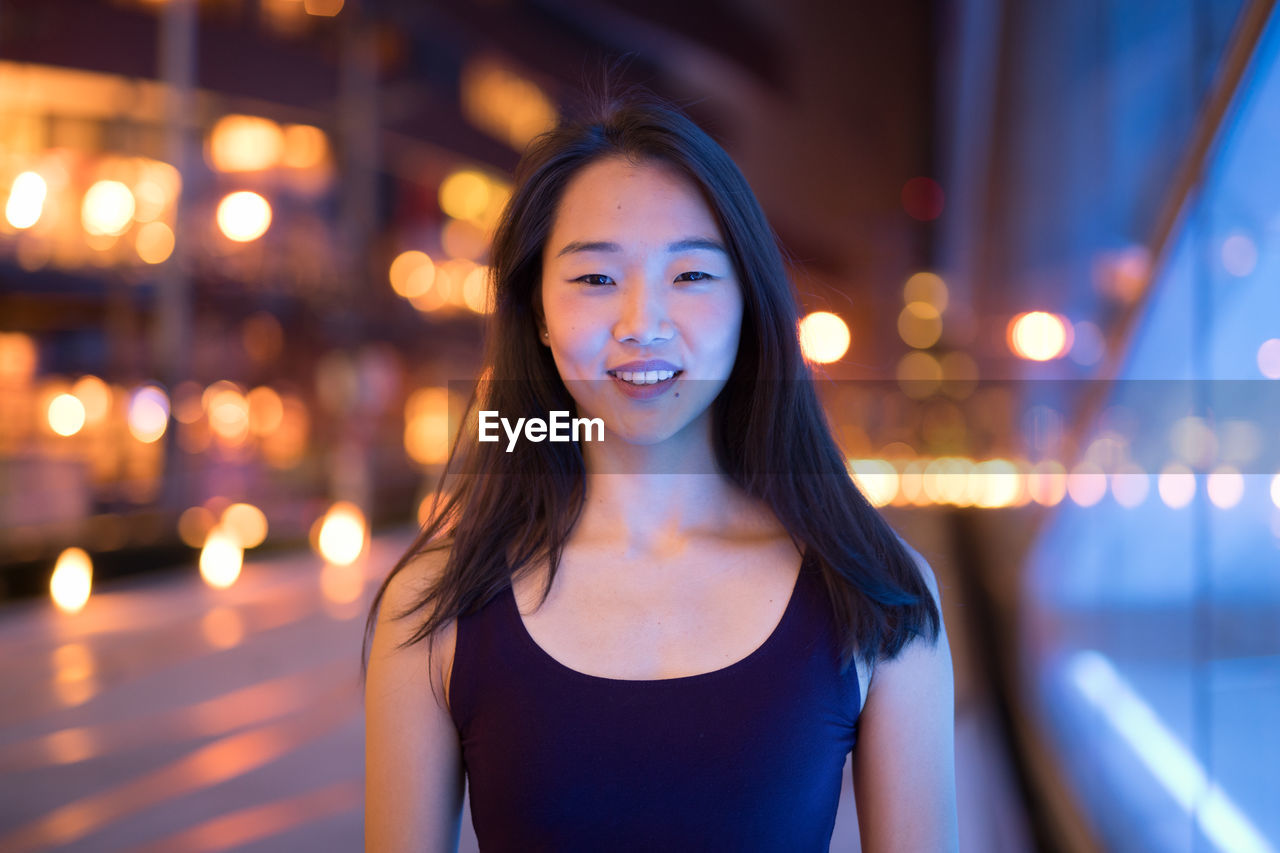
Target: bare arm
(904, 764)
(413, 762)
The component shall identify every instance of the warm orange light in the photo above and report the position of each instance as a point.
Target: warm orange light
(107, 209)
(72, 580)
(323, 8)
(228, 411)
(26, 200)
(996, 483)
(221, 559)
(94, 394)
(342, 534)
(305, 147)
(1038, 335)
(266, 411)
(476, 292)
(240, 143)
(877, 478)
(154, 242)
(244, 216)
(17, 358)
(824, 337)
(926, 287)
(66, 414)
(412, 273)
(464, 194)
(194, 525)
(919, 325)
(245, 524)
(426, 426)
(504, 103)
(919, 374)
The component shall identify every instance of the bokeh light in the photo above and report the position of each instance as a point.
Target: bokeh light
(1239, 255)
(1176, 485)
(244, 524)
(824, 337)
(919, 325)
(926, 287)
(221, 559)
(194, 525)
(426, 426)
(1225, 486)
(1088, 345)
(341, 537)
(477, 293)
(877, 478)
(66, 414)
(412, 273)
(148, 413)
(26, 200)
(1086, 484)
(95, 396)
(919, 374)
(1047, 482)
(464, 194)
(107, 209)
(154, 242)
(244, 216)
(1269, 358)
(72, 580)
(241, 143)
(305, 147)
(17, 358)
(1038, 335)
(996, 483)
(1129, 485)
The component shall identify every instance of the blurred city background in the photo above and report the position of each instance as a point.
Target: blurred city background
(243, 286)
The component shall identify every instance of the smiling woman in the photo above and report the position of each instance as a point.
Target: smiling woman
(666, 639)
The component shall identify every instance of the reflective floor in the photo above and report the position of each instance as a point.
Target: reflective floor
(171, 716)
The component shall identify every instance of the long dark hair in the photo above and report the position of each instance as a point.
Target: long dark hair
(506, 511)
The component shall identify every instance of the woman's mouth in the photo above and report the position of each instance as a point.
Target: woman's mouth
(644, 377)
(645, 385)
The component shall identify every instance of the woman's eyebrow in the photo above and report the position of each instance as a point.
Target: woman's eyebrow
(685, 245)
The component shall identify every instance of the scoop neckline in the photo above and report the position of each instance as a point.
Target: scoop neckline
(728, 669)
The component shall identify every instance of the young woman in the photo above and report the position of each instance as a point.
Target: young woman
(665, 639)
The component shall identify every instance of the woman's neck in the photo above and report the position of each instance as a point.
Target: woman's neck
(655, 500)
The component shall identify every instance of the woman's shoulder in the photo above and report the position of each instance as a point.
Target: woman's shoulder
(402, 611)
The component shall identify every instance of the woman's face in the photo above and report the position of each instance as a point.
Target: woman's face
(637, 282)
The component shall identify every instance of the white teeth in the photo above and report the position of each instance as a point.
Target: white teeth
(649, 377)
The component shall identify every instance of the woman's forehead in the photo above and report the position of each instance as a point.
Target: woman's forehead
(614, 204)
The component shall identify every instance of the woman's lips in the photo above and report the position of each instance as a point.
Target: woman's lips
(645, 392)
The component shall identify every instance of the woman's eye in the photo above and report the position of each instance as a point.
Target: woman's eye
(701, 276)
(584, 279)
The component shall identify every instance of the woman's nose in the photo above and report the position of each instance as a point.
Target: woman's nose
(643, 315)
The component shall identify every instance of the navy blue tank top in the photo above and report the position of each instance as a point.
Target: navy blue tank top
(748, 757)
